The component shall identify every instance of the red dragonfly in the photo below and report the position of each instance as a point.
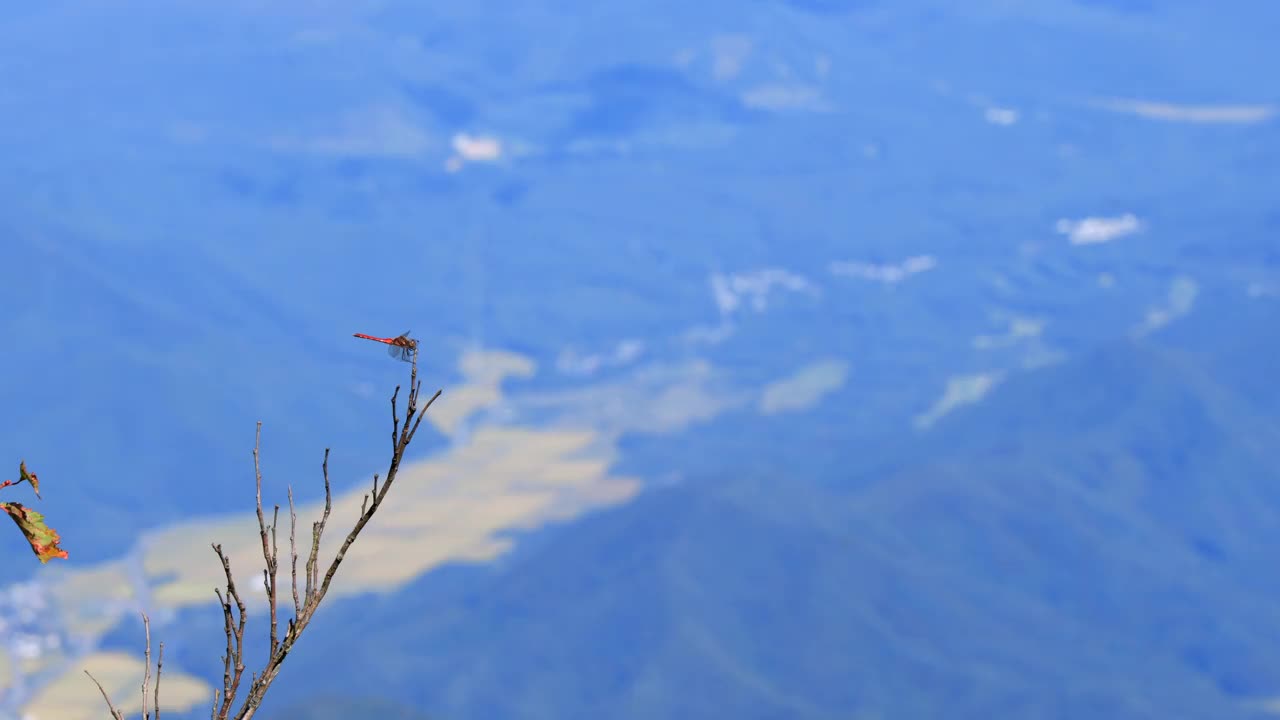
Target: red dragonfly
(402, 346)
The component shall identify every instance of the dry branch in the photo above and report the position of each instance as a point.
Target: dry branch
(306, 601)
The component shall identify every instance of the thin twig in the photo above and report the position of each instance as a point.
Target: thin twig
(317, 529)
(112, 708)
(233, 662)
(159, 664)
(227, 628)
(293, 556)
(146, 661)
(275, 565)
(268, 555)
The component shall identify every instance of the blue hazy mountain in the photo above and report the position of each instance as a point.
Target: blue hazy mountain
(193, 205)
(1086, 542)
(1041, 237)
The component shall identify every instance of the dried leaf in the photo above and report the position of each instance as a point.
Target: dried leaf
(30, 477)
(44, 539)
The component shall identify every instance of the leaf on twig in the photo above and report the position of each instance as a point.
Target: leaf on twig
(44, 539)
(30, 477)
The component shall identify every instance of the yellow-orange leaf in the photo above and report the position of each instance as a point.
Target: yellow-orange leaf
(44, 539)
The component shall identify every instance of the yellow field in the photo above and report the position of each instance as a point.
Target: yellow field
(459, 506)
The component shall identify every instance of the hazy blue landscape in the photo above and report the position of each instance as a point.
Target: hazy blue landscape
(940, 341)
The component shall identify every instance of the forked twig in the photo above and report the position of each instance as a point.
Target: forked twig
(315, 586)
(150, 694)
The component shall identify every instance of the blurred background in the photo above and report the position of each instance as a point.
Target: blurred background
(801, 358)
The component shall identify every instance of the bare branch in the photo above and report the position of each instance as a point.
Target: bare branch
(293, 557)
(147, 699)
(268, 547)
(421, 415)
(395, 421)
(305, 601)
(233, 661)
(118, 715)
(317, 529)
(159, 664)
(146, 672)
(272, 592)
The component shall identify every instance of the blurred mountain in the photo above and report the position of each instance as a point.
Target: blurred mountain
(941, 338)
(1088, 542)
(209, 201)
